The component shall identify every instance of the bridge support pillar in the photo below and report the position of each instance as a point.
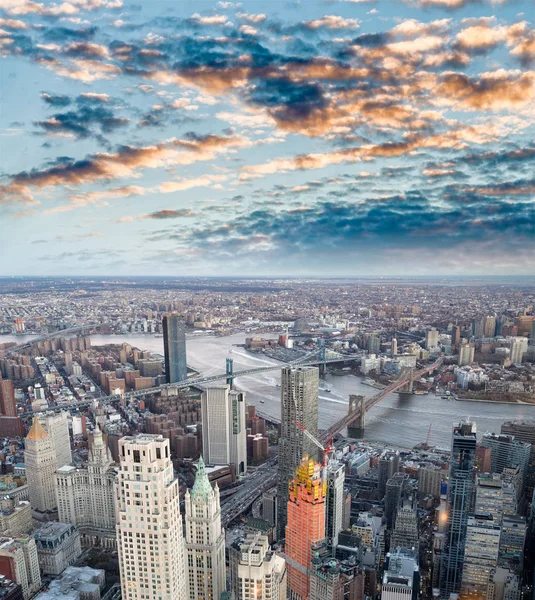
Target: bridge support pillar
(407, 388)
(229, 371)
(357, 404)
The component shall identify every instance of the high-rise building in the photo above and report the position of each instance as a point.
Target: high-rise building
(41, 464)
(174, 345)
(460, 503)
(334, 501)
(429, 480)
(256, 571)
(299, 402)
(205, 539)
(224, 433)
(394, 346)
(489, 326)
(387, 467)
(517, 350)
(478, 327)
(85, 495)
(490, 496)
(405, 534)
(8, 407)
(525, 432)
(19, 562)
(401, 579)
(512, 543)
(506, 452)
(57, 427)
(431, 338)
(395, 488)
(333, 579)
(306, 525)
(149, 526)
(455, 336)
(481, 553)
(466, 354)
(503, 585)
(270, 507)
(374, 344)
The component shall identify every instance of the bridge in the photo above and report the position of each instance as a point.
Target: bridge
(83, 329)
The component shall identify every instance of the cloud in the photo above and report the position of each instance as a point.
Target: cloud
(170, 214)
(96, 198)
(13, 24)
(126, 162)
(56, 99)
(450, 4)
(209, 20)
(186, 184)
(334, 22)
(68, 8)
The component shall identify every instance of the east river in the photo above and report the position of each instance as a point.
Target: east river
(400, 420)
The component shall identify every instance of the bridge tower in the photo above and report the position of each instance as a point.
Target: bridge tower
(230, 371)
(407, 388)
(321, 356)
(357, 404)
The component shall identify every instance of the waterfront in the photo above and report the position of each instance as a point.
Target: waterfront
(399, 419)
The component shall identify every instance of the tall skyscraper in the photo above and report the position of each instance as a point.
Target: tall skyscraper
(174, 345)
(41, 464)
(8, 407)
(334, 501)
(466, 354)
(506, 452)
(455, 336)
(149, 526)
(299, 402)
(205, 539)
(306, 524)
(57, 427)
(405, 534)
(460, 504)
(481, 553)
(255, 571)
(224, 432)
(85, 495)
(431, 338)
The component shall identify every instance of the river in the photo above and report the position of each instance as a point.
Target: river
(400, 420)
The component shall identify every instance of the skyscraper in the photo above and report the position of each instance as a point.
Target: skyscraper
(506, 452)
(255, 571)
(41, 464)
(224, 433)
(205, 539)
(401, 579)
(85, 495)
(299, 402)
(460, 502)
(57, 427)
(431, 338)
(8, 407)
(334, 501)
(405, 534)
(481, 553)
(149, 525)
(306, 524)
(174, 345)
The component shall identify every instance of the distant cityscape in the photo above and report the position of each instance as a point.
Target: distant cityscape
(129, 473)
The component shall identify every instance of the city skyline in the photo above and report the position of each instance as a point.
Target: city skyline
(341, 138)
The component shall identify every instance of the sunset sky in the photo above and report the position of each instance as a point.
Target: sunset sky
(267, 137)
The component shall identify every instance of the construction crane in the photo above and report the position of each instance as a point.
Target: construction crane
(428, 434)
(326, 450)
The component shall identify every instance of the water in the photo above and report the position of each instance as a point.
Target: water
(398, 420)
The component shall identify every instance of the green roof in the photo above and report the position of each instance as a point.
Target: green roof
(202, 486)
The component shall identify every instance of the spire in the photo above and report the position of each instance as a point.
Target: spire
(202, 486)
(37, 431)
(97, 436)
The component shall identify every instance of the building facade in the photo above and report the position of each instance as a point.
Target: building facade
(334, 501)
(58, 546)
(174, 344)
(57, 427)
(205, 539)
(224, 431)
(149, 525)
(299, 402)
(85, 496)
(41, 464)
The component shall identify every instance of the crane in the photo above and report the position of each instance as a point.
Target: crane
(428, 434)
(326, 450)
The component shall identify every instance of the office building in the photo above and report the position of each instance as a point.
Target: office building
(395, 488)
(256, 572)
(512, 543)
(481, 553)
(517, 349)
(506, 452)
(299, 402)
(334, 501)
(466, 354)
(460, 504)
(41, 464)
(405, 534)
(455, 336)
(149, 526)
(58, 546)
(524, 431)
(20, 563)
(431, 338)
(490, 496)
(8, 407)
(489, 326)
(306, 525)
(388, 465)
(85, 495)
(224, 432)
(57, 427)
(332, 578)
(174, 345)
(373, 344)
(401, 578)
(15, 517)
(205, 539)
(270, 507)
(429, 480)
(503, 585)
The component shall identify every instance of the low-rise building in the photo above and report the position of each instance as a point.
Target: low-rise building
(58, 546)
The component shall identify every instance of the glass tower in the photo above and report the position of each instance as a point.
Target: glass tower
(174, 345)
(460, 504)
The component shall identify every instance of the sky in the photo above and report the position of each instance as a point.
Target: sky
(267, 137)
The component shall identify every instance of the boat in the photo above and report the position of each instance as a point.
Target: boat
(328, 390)
(262, 401)
(420, 392)
(278, 384)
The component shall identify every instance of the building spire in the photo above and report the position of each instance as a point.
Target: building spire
(37, 431)
(202, 486)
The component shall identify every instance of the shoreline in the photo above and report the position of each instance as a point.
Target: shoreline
(486, 401)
